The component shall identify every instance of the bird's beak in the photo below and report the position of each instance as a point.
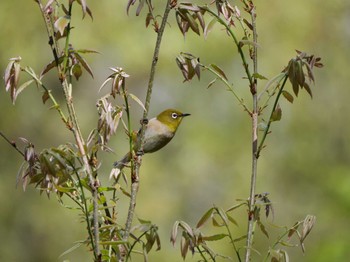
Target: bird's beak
(185, 114)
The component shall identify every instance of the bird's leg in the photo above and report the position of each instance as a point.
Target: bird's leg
(144, 121)
(140, 152)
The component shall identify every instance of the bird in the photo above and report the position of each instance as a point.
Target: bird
(159, 131)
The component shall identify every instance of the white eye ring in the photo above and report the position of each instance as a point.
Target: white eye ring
(174, 115)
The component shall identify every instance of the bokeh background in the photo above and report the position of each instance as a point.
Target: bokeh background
(305, 167)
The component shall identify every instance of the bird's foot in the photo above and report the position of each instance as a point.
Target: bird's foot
(140, 152)
(144, 121)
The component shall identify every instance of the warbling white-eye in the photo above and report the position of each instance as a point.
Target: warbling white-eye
(159, 131)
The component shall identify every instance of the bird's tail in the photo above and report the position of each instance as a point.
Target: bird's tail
(122, 162)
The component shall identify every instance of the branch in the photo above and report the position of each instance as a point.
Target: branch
(12, 143)
(253, 89)
(239, 46)
(74, 127)
(267, 129)
(136, 164)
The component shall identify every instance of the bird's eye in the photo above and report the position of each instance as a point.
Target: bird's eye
(174, 115)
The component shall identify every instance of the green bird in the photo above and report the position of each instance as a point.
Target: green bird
(158, 133)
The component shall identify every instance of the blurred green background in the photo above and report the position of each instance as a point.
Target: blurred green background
(305, 167)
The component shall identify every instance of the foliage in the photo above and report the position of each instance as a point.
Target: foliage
(72, 169)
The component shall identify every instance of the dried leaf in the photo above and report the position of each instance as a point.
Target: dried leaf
(137, 100)
(61, 23)
(21, 88)
(307, 88)
(174, 232)
(51, 65)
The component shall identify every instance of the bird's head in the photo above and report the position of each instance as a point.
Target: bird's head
(172, 118)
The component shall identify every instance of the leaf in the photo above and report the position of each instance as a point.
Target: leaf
(209, 27)
(248, 24)
(236, 206)
(248, 42)
(84, 64)
(77, 71)
(61, 23)
(258, 76)
(22, 87)
(192, 23)
(308, 224)
(87, 51)
(240, 238)
(205, 217)
(51, 65)
(214, 237)
(184, 244)
(277, 114)
(262, 228)
(232, 220)
(137, 100)
(219, 71)
(174, 232)
(76, 246)
(288, 96)
(307, 88)
(212, 82)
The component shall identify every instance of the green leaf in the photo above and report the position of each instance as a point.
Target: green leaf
(258, 76)
(77, 71)
(262, 228)
(214, 237)
(236, 206)
(277, 114)
(209, 27)
(248, 42)
(84, 64)
(232, 220)
(219, 71)
(212, 82)
(205, 217)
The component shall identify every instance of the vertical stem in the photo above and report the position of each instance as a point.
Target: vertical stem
(136, 165)
(251, 218)
(74, 126)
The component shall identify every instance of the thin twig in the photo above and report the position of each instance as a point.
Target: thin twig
(267, 129)
(251, 218)
(137, 163)
(13, 144)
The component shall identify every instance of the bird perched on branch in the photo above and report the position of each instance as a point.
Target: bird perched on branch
(159, 131)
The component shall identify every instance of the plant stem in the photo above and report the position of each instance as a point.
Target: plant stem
(267, 129)
(13, 144)
(135, 168)
(74, 126)
(251, 218)
(229, 87)
(237, 43)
